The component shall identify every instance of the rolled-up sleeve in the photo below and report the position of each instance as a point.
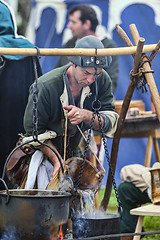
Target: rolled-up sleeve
(113, 116)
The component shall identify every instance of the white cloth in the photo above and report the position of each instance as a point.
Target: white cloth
(40, 169)
(133, 173)
(140, 176)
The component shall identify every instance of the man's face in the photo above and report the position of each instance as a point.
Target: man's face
(85, 76)
(76, 26)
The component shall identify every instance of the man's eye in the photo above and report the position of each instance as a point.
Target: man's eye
(86, 73)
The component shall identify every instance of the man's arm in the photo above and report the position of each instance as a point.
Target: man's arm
(77, 115)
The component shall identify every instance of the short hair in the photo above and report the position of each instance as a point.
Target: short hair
(87, 13)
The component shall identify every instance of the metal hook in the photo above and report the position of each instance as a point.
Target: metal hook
(38, 52)
(94, 107)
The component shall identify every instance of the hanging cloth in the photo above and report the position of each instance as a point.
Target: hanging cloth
(8, 32)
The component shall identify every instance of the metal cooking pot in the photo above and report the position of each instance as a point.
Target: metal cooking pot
(92, 227)
(33, 213)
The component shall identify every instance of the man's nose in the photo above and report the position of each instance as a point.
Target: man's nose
(90, 79)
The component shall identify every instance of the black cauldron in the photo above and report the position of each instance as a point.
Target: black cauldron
(91, 227)
(32, 214)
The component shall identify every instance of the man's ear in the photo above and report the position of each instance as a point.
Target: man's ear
(87, 25)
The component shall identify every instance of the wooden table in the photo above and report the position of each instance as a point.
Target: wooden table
(135, 126)
(144, 126)
(148, 210)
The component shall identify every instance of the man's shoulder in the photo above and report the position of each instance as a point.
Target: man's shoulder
(70, 43)
(54, 75)
(108, 42)
(105, 75)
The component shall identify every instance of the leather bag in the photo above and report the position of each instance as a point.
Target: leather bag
(16, 166)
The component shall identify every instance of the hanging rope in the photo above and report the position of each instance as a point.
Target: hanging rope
(139, 77)
(65, 138)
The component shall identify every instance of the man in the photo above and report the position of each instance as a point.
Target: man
(134, 191)
(83, 22)
(70, 91)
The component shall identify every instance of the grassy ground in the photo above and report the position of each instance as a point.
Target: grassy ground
(149, 223)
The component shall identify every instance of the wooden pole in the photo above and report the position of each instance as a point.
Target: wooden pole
(124, 36)
(148, 75)
(73, 51)
(154, 52)
(116, 139)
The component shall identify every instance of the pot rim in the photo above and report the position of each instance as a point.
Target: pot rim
(107, 216)
(34, 193)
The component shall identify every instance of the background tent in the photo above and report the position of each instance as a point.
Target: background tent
(47, 29)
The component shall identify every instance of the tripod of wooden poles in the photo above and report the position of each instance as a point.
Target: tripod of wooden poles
(140, 61)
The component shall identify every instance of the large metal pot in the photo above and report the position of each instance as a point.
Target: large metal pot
(33, 213)
(84, 227)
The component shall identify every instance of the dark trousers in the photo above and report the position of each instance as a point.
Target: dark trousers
(131, 197)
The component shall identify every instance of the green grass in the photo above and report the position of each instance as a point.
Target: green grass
(149, 223)
(112, 202)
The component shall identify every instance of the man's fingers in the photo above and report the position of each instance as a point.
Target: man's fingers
(75, 114)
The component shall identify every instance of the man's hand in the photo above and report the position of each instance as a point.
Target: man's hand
(75, 114)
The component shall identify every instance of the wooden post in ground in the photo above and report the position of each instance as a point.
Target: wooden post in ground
(116, 139)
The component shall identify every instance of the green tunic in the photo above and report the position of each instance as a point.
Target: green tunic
(53, 96)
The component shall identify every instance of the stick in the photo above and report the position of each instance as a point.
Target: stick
(134, 33)
(116, 139)
(124, 36)
(65, 138)
(154, 52)
(75, 52)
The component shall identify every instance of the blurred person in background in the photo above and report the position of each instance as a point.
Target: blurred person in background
(16, 76)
